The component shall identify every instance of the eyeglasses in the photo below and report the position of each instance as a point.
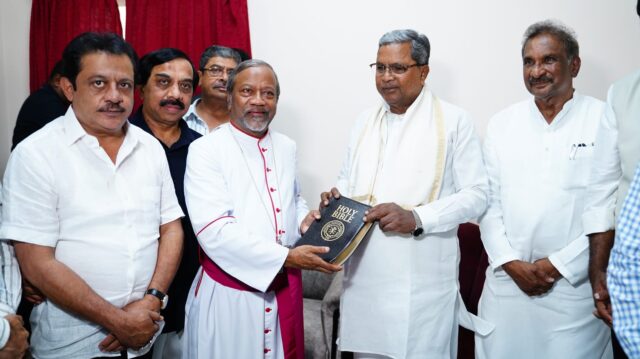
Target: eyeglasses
(396, 69)
(217, 71)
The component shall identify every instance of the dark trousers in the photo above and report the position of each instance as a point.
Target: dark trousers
(618, 352)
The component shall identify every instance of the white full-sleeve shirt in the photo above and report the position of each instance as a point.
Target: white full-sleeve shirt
(538, 176)
(62, 190)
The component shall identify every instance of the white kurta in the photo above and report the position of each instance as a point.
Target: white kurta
(538, 174)
(401, 294)
(240, 191)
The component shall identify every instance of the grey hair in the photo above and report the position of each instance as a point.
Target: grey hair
(245, 65)
(420, 46)
(556, 29)
(219, 51)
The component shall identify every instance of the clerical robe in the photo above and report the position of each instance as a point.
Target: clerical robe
(401, 293)
(246, 208)
(538, 174)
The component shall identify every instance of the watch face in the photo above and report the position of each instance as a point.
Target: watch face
(165, 301)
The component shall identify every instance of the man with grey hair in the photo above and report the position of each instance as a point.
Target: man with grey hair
(417, 161)
(210, 110)
(247, 212)
(538, 154)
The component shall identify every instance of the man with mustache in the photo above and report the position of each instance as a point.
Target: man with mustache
(91, 208)
(210, 110)
(416, 159)
(247, 211)
(538, 154)
(166, 79)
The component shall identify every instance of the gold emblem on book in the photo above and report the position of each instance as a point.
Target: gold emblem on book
(332, 230)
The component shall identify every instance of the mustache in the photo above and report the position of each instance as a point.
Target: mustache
(111, 107)
(540, 80)
(220, 83)
(172, 102)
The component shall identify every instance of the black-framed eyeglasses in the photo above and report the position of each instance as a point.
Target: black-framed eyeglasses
(217, 71)
(396, 69)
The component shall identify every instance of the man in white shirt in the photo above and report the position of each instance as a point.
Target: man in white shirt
(210, 110)
(417, 160)
(247, 212)
(538, 155)
(13, 335)
(91, 207)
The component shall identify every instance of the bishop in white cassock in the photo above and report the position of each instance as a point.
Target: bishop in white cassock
(246, 209)
(538, 155)
(417, 160)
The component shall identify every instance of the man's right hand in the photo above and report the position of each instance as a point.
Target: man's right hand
(524, 274)
(17, 344)
(325, 196)
(306, 257)
(601, 297)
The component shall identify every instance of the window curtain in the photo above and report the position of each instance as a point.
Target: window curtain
(56, 22)
(188, 25)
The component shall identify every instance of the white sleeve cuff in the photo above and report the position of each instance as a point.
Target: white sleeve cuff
(564, 271)
(428, 217)
(4, 332)
(598, 220)
(498, 262)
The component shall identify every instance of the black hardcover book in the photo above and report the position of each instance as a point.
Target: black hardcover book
(340, 228)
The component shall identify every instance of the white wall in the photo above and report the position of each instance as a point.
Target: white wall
(321, 50)
(14, 68)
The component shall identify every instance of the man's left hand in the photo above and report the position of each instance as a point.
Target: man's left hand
(546, 271)
(312, 216)
(110, 343)
(392, 218)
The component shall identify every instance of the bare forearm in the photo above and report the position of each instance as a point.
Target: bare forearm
(64, 287)
(169, 255)
(600, 245)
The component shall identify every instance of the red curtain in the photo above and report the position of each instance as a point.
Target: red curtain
(55, 22)
(188, 25)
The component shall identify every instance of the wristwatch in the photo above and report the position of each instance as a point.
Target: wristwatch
(164, 299)
(418, 230)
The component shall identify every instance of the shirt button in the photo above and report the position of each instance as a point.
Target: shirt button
(278, 210)
(264, 149)
(268, 169)
(266, 350)
(268, 310)
(266, 331)
(272, 189)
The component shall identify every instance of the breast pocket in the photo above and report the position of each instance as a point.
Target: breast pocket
(577, 167)
(148, 206)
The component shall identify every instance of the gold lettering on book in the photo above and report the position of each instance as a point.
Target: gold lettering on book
(344, 213)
